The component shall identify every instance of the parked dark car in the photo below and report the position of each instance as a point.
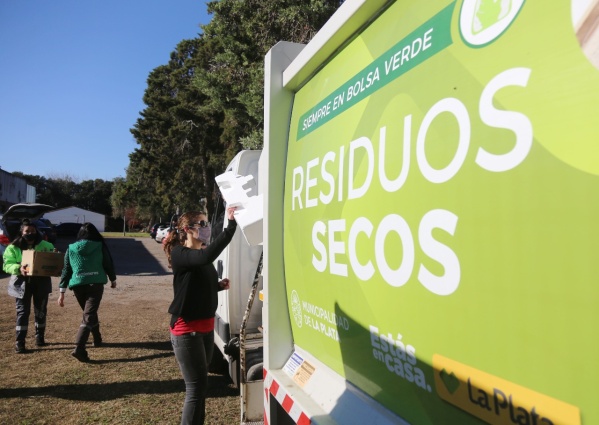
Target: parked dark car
(46, 231)
(47, 228)
(10, 221)
(67, 229)
(155, 229)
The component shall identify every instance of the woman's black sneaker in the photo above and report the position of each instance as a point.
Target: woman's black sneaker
(20, 347)
(80, 355)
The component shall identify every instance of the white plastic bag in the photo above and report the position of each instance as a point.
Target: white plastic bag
(16, 286)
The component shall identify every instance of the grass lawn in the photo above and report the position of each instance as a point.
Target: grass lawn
(127, 234)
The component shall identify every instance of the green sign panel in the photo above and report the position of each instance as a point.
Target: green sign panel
(441, 217)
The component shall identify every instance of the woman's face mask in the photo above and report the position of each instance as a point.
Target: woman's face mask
(203, 234)
(29, 233)
(202, 231)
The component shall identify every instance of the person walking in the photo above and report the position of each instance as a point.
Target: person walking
(37, 288)
(195, 283)
(87, 267)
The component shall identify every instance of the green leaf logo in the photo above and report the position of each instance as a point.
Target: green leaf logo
(452, 383)
(483, 21)
(489, 12)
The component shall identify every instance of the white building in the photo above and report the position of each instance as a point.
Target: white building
(76, 215)
(14, 190)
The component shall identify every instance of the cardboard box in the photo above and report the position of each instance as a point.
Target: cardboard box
(43, 263)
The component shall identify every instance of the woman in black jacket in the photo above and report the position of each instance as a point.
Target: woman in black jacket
(196, 285)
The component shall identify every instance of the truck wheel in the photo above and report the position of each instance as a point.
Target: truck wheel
(218, 364)
(256, 372)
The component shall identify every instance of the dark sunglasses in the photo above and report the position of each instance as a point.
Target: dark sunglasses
(201, 223)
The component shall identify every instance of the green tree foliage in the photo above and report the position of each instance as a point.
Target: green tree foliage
(206, 103)
(62, 192)
(119, 198)
(178, 154)
(242, 32)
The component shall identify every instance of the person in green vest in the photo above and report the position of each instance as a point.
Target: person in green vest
(37, 288)
(87, 267)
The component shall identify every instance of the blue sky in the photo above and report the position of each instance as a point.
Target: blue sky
(72, 77)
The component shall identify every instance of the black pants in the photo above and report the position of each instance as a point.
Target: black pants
(193, 353)
(89, 298)
(38, 291)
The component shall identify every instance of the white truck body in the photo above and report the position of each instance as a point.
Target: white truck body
(430, 225)
(240, 260)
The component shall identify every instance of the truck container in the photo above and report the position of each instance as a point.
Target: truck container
(430, 219)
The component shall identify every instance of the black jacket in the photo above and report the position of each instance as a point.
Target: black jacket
(195, 280)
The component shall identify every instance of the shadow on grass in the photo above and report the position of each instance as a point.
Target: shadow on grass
(107, 361)
(146, 345)
(131, 359)
(218, 386)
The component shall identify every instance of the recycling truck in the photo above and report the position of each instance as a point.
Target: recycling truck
(429, 192)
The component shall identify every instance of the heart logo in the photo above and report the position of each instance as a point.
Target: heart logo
(451, 382)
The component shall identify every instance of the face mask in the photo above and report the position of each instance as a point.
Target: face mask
(204, 235)
(30, 237)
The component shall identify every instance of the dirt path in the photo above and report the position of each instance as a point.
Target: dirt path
(142, 269)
